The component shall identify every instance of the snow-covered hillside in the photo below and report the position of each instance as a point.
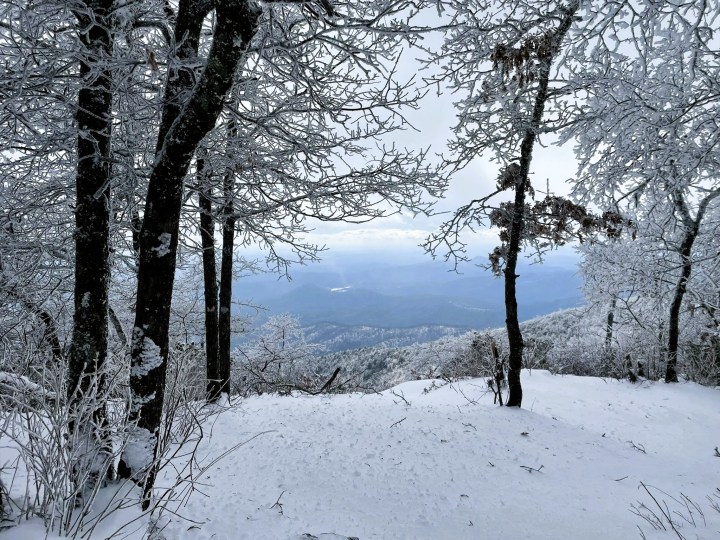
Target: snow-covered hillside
(570, 341)
(564, 339)
(419, 462)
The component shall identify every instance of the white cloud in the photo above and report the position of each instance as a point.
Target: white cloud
(394, 241)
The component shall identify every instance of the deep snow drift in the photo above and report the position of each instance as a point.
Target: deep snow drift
(451, 465)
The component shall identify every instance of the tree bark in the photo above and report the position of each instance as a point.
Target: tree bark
(512, 323)
(207, 237)
(674, 318)
(226, 276)
(692, 229)
(88, 346)
(609, 325)
(196, 116)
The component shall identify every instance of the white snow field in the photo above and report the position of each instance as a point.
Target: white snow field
(451, 465)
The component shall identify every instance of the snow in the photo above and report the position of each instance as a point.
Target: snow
(139, 449)
(341, 289)
(150, 358)
(451, 465)
(9, 382)
(164, 247)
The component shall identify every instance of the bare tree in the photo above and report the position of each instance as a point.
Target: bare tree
(278, 359)
(651, 147)
(88, 349)
(296, 139)
(507, 86)
(37, 167)
(185, 122)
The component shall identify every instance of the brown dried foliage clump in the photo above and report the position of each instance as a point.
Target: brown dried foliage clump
(552, 222)
(509, 177)
(521, 63)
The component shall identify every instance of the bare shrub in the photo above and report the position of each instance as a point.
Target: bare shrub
(278, 359)
(702, 361)
(673, 514)
(50, 470)
(55, 470)
(474, 361)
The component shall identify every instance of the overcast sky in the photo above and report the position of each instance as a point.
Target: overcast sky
(401, 234)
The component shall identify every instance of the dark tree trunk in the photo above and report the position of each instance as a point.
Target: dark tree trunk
(188, 25)
(117, 325)
(609, 325)
(692, 229)
(608, 354)
(207, 237)
(88, 347)
(674, 319)
(226, 275)
(512, 323)
(196, 114)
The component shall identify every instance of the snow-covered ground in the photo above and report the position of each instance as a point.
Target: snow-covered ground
(451, 465)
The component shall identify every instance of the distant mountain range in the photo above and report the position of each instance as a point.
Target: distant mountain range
(354, 303)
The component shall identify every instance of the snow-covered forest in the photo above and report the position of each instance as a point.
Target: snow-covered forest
(154, 153)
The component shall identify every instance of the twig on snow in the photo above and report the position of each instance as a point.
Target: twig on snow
(639, 447)
(401, 395)
(278, 503)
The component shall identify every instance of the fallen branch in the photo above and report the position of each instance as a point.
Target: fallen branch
(639, 447)
(401, 395)
(328, 383)
(278, 503)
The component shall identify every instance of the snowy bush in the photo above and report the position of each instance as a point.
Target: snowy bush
(703, 360)
(186, 373)
(474, 361)
(278, 359)
(52, 471)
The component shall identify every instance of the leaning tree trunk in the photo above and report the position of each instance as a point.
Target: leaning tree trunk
(512, 323)
(207, 237)
(134, 463)
(235, 26)
(88, 348)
